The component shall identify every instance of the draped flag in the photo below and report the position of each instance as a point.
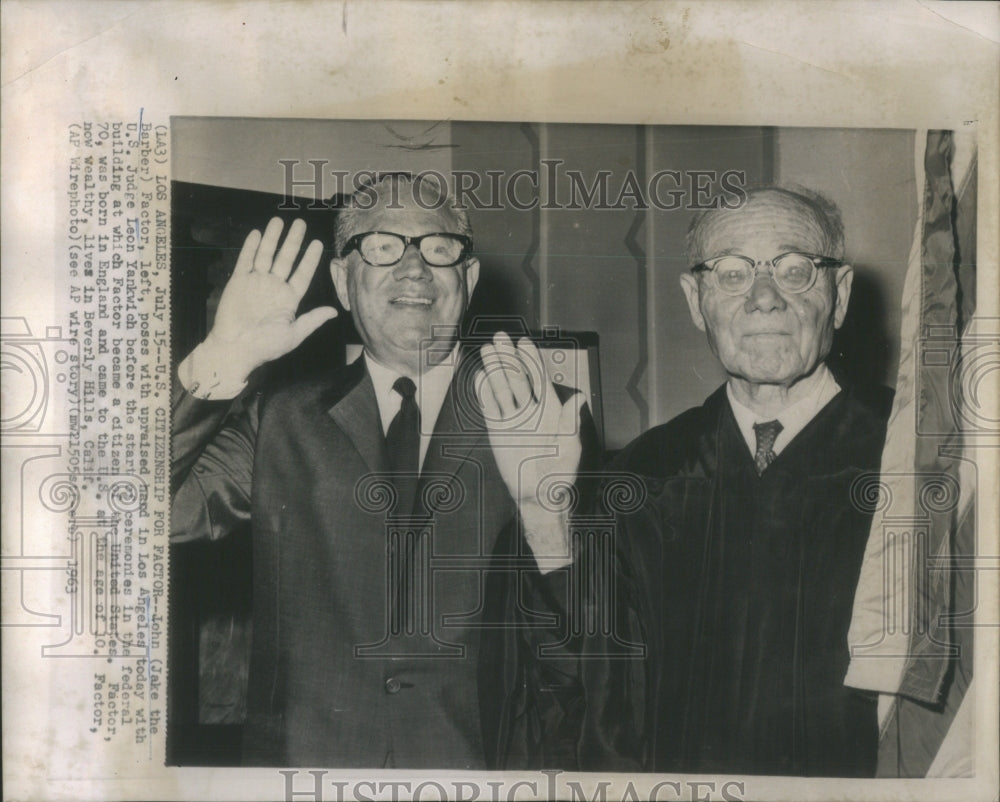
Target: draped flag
(911, 631)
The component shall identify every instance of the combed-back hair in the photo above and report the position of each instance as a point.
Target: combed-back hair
(823, 210)
(428, 190)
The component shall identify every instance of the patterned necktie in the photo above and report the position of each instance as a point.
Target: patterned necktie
(766, 433)
(403, 444)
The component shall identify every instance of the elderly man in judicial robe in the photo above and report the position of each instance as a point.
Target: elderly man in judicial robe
(737, 574)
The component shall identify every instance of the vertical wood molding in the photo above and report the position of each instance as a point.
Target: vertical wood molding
(641, 256)
(527, 262)
(652, 279)
(542, 226)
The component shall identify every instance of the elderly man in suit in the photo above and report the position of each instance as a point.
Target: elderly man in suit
(357, 481)
(738, 573)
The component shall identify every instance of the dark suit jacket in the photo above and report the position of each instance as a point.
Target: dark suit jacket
(740, 589)
(327, 686)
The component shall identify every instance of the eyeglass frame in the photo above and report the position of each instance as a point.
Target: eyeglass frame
(354, 243)
(818, 262)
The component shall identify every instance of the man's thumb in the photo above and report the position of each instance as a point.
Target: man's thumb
(570, 415)
(306, 324)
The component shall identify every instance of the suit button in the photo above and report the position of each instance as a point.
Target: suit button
(392, 685)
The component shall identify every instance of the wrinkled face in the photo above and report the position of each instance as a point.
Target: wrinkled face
(766, 335)
(396, 308)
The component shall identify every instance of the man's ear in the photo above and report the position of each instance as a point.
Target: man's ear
(471, 276)
(338, 272)
(844, 279)
(689, 283)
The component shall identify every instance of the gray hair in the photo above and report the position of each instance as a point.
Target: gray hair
(823, 210)
(390, 185)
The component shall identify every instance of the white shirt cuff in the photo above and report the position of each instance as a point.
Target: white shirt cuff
(210, 373)
(547, 534)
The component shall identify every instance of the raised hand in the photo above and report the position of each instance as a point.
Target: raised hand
(533, 435)
(255, 321)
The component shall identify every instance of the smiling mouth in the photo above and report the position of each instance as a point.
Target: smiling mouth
(414, 302)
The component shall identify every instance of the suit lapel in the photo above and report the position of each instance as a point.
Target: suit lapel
(460, 427)
(459, 456)
(356, 413)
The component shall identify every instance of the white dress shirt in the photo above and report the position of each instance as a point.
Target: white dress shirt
(793, 419)
(432, 387)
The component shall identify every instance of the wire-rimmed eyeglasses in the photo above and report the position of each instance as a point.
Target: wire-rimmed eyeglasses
(792, 272)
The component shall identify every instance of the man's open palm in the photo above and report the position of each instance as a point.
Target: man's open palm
(533, 434)
(256, 314)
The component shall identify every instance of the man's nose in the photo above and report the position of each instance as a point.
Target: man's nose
(764, 296)
(412, 265)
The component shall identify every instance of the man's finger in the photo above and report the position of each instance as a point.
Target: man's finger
(497, 379)
(265, 252)
(244, 262)
(486, 398)
(306, 324)
(532, 358)
(303, 274)
(515, 370)
(283, 262)
(569, 417)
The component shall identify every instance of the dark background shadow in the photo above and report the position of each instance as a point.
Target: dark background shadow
(862, 347)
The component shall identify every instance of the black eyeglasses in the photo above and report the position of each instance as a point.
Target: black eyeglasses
(385, 249)
(792, 272)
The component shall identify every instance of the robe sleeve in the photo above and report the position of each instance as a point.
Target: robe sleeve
(571, 694)
(529, 687)
(540, 674)
(617, 730)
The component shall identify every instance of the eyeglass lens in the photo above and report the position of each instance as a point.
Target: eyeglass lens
(792, 272)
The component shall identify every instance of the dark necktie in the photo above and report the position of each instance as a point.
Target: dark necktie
(403, 444)
(766, 433)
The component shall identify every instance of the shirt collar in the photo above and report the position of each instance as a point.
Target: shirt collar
(793, 419)
(432, 387)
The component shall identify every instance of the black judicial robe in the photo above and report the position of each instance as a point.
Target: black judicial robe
(741, 589)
